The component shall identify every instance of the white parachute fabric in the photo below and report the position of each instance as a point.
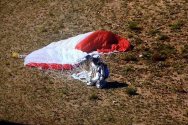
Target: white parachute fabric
(82, 76)
(61, 52)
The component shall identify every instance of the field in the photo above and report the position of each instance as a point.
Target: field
(147, 85)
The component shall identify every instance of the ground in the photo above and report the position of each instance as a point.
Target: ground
(147, 85)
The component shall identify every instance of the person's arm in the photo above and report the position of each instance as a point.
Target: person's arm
(102, 73)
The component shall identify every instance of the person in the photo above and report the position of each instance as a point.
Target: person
(97, 74)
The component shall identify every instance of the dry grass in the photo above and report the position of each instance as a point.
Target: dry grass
(158, 30)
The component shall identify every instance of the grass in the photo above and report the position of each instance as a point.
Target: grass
(153, 32)
(64, 91)
(148, 84)
(163, 37)
(129, 35)
(185, 113)
(129, 57)
(133, 25)
(175, 26)
(94, 97)
(128, 68)
(138, 40)
(184, 51)
(131, 91)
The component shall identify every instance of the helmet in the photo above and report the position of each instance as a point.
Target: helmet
(95, 58)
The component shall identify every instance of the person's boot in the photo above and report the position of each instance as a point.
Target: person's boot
(90, 84)
(99, 85)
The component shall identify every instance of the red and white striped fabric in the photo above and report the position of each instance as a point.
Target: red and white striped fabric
(66, 54)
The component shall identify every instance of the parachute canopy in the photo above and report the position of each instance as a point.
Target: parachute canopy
(68, 53)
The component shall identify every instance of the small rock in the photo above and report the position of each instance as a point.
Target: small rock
(114, 102)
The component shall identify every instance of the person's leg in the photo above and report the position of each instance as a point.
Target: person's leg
(100, 84)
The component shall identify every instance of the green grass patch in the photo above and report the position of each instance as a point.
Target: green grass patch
(184, 51)
(133, 25)
(51, 82)
(158, 74)
(185, 112)
(138, 40)
(128, 68)
(131, 91)
(153, 32)
(176, 25)
(129, 35)
(146, 56)
(43, 29)
(129, 57)
(94, 96)
(163, 37)
(64, 91)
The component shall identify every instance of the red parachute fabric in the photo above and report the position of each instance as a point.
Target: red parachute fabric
(103, 41)
(51, 66)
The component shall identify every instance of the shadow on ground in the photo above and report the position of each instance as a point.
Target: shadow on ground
(115, 84)
(9, 123)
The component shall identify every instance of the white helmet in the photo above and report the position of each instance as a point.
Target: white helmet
(96, 56)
